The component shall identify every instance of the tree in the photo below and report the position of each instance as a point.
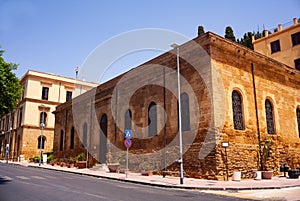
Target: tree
(229, 34)
(10, 88)
(247, 39)
(200, 30)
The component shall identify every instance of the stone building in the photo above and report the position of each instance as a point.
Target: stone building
(229, 93)
(42, 92)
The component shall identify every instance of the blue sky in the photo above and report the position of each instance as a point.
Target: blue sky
(55, 36)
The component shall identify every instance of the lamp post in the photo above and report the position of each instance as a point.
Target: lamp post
(41, 139)
(2, 145)
(76, 71)
(225, 145)
(179, 114)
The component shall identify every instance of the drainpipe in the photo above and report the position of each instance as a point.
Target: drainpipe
(256, 114)
(165, 128)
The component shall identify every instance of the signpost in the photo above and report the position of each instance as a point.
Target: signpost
(127, 144)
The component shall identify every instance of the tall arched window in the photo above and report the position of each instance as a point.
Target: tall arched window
(41, 142)
(152, 119)
(185, 112)
(237, 110)
(61, 141)
(128, 117)
(103, 139)
(298, 120)
(269, 117)
(72, 138)
(84, 137)
(43, 118)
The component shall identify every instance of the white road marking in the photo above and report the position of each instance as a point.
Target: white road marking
(38, 177)
(22, 177)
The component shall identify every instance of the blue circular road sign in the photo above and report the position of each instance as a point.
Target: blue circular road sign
(127, 143)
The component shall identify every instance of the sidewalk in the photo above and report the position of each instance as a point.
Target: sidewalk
(275, 184)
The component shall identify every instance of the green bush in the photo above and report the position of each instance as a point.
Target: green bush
(50, 158)
(81, 157)
(36, 159)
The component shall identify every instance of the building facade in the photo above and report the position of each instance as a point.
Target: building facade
(281, 43)
(42, 92)
(229, 93)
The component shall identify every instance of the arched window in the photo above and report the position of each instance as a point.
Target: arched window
(269, 117)
(103, 139)
(185, 112)
(298, 120)
(128, 117)
(237, 110)
(43, 118)
(84, 137)
(61, 141)
(41, 142)
(152, 119)
(72, 138)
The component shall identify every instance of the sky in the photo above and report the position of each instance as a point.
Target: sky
(55, 36)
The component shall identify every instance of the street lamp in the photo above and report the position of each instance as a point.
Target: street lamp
(76, 71)
(41, 139)
(179, 114)
(225, 145)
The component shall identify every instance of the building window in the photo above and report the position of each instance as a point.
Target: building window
(45, 93)
(68, 95)
(296, 38)
(152, 120)
(84, 138)
(72, 138)
(269, 117)
(41, 141)
(298, 120)
(20, 117)
(237, 110)
(185, 112)
(128, 120)
(61, 142)
(275, 46)
(43, 118)
(297, 64)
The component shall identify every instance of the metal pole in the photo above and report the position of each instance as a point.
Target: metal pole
(179, 114)
(8, 147)
(226, 164)
(41, 139)
(126, 163)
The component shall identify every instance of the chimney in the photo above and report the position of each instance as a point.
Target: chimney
(253, 38)
(295, 21)
(266, 33)
(279, 27)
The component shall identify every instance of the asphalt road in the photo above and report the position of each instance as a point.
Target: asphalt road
(18, 183)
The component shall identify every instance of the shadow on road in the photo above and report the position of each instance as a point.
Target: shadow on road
(4, 180)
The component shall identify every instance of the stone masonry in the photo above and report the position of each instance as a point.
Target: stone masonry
(209, 76)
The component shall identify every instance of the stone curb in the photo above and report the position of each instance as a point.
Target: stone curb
(164, 185)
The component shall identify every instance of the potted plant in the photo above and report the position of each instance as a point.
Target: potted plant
(50, 158)
(81, 161)
(266, 152)
(113, 162)
(71, 162)
(294, 172)
(146, 169)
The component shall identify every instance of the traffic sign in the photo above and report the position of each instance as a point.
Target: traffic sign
(128, 134)
(127, 143)
(7, 151)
